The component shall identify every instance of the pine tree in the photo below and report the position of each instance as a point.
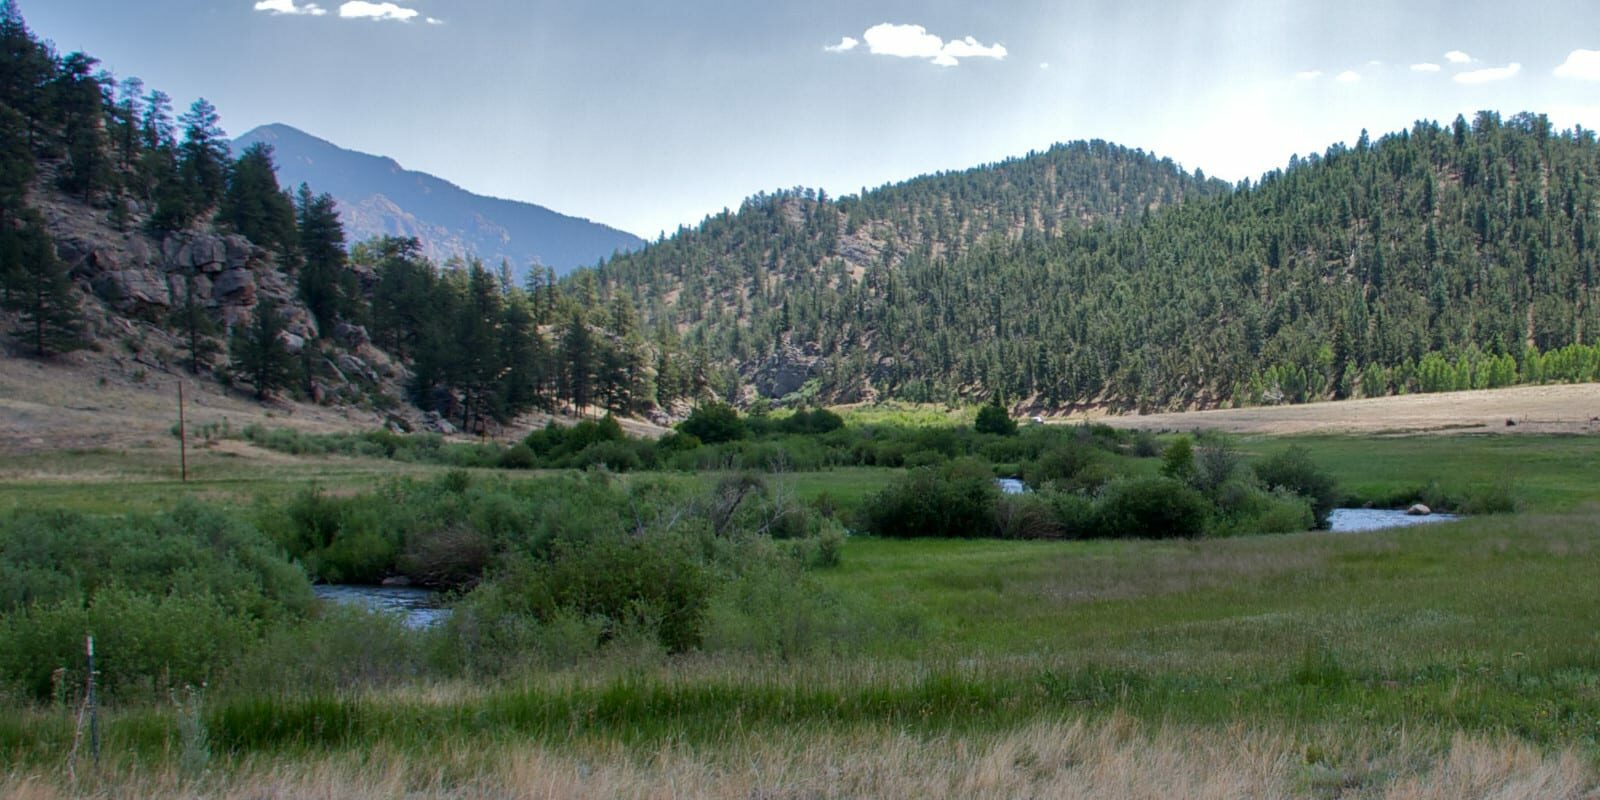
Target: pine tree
(254, 206)
(259, 354)
(16, 163)
(38, 288)
(326, 286)
(197, 326)
(203, 155)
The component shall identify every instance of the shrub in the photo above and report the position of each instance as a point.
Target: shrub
(1294, 470)
(1244, 507)
(1151, 508)
(1215, 463)
(1177, 462)
(650, 582)
(957, 500)
(1027, 516)
(613, 455)
(992, 418)
(518, 456)
(714, 423)
(452, 557)
(1061, 464)
(145, 643)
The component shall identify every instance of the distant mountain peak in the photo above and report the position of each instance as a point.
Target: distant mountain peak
(377, 196)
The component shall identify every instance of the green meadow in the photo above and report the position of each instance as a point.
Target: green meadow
(1461, 655)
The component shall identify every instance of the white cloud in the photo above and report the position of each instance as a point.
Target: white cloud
(1457, 57)
(914, 41)
(1583, 65)
(361, 9)
(1489, 75)
(845, 45)
(289, 7)
(1348, 76)
(1044, 65)
(1308, 75)
(1426, 66)
(435, 21)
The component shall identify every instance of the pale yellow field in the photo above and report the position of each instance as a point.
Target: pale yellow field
(1115, 758)
(1534, 409)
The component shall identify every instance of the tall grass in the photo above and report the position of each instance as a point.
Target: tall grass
(1116, 758)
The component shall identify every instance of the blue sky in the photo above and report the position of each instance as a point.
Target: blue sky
(647, 115)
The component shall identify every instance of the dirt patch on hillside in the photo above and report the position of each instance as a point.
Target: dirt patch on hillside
(89, 401)
(1523, 409)
(96, 400)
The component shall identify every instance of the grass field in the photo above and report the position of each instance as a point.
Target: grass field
(1457, 660)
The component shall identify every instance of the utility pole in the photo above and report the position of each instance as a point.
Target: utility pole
(183, 437)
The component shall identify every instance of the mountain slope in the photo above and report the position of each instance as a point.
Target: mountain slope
(377, 196)
(1443, 257)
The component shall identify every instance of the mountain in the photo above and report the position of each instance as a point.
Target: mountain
(1436, 258)
(377, 196)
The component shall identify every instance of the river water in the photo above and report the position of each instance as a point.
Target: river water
(1357, 520)
(418, 608)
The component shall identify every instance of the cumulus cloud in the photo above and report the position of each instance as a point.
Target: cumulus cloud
(1489, 75)
(1457, 57)
(361, 9)
(914, 41)
(1583, 65)
(1426, 66)
(1348, 76)
(1308, 75)
(289, 7)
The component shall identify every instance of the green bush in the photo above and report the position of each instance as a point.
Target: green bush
(714, 423)
(1062, 464)
(1244, 507)
(654, 583)
(1028, 516)
(1151, 508)
(1294, 470)
(145, 644)
(992, 418)
(519, 456)
(957, 500)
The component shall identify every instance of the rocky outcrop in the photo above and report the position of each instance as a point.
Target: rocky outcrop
(787, 370)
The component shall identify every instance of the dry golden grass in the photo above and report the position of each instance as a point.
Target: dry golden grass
(1536, 409)
(1113, 758)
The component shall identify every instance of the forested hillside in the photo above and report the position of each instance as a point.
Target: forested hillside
(1443, 257)
(143, 241)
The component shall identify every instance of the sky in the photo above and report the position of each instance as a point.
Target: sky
(648, 115)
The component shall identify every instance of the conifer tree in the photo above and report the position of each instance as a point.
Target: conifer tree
(254, 206)
(38, 288)
(259, 354)
(326, 286)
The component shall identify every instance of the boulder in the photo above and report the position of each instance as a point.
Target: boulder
(205, 253)
(432, 421)
(236, 287)
(292, 342)
(785, 371)
(237, 251)
(351, 336)
(129, 288)
(1419, 510)
(178, 284)
(353, 367)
